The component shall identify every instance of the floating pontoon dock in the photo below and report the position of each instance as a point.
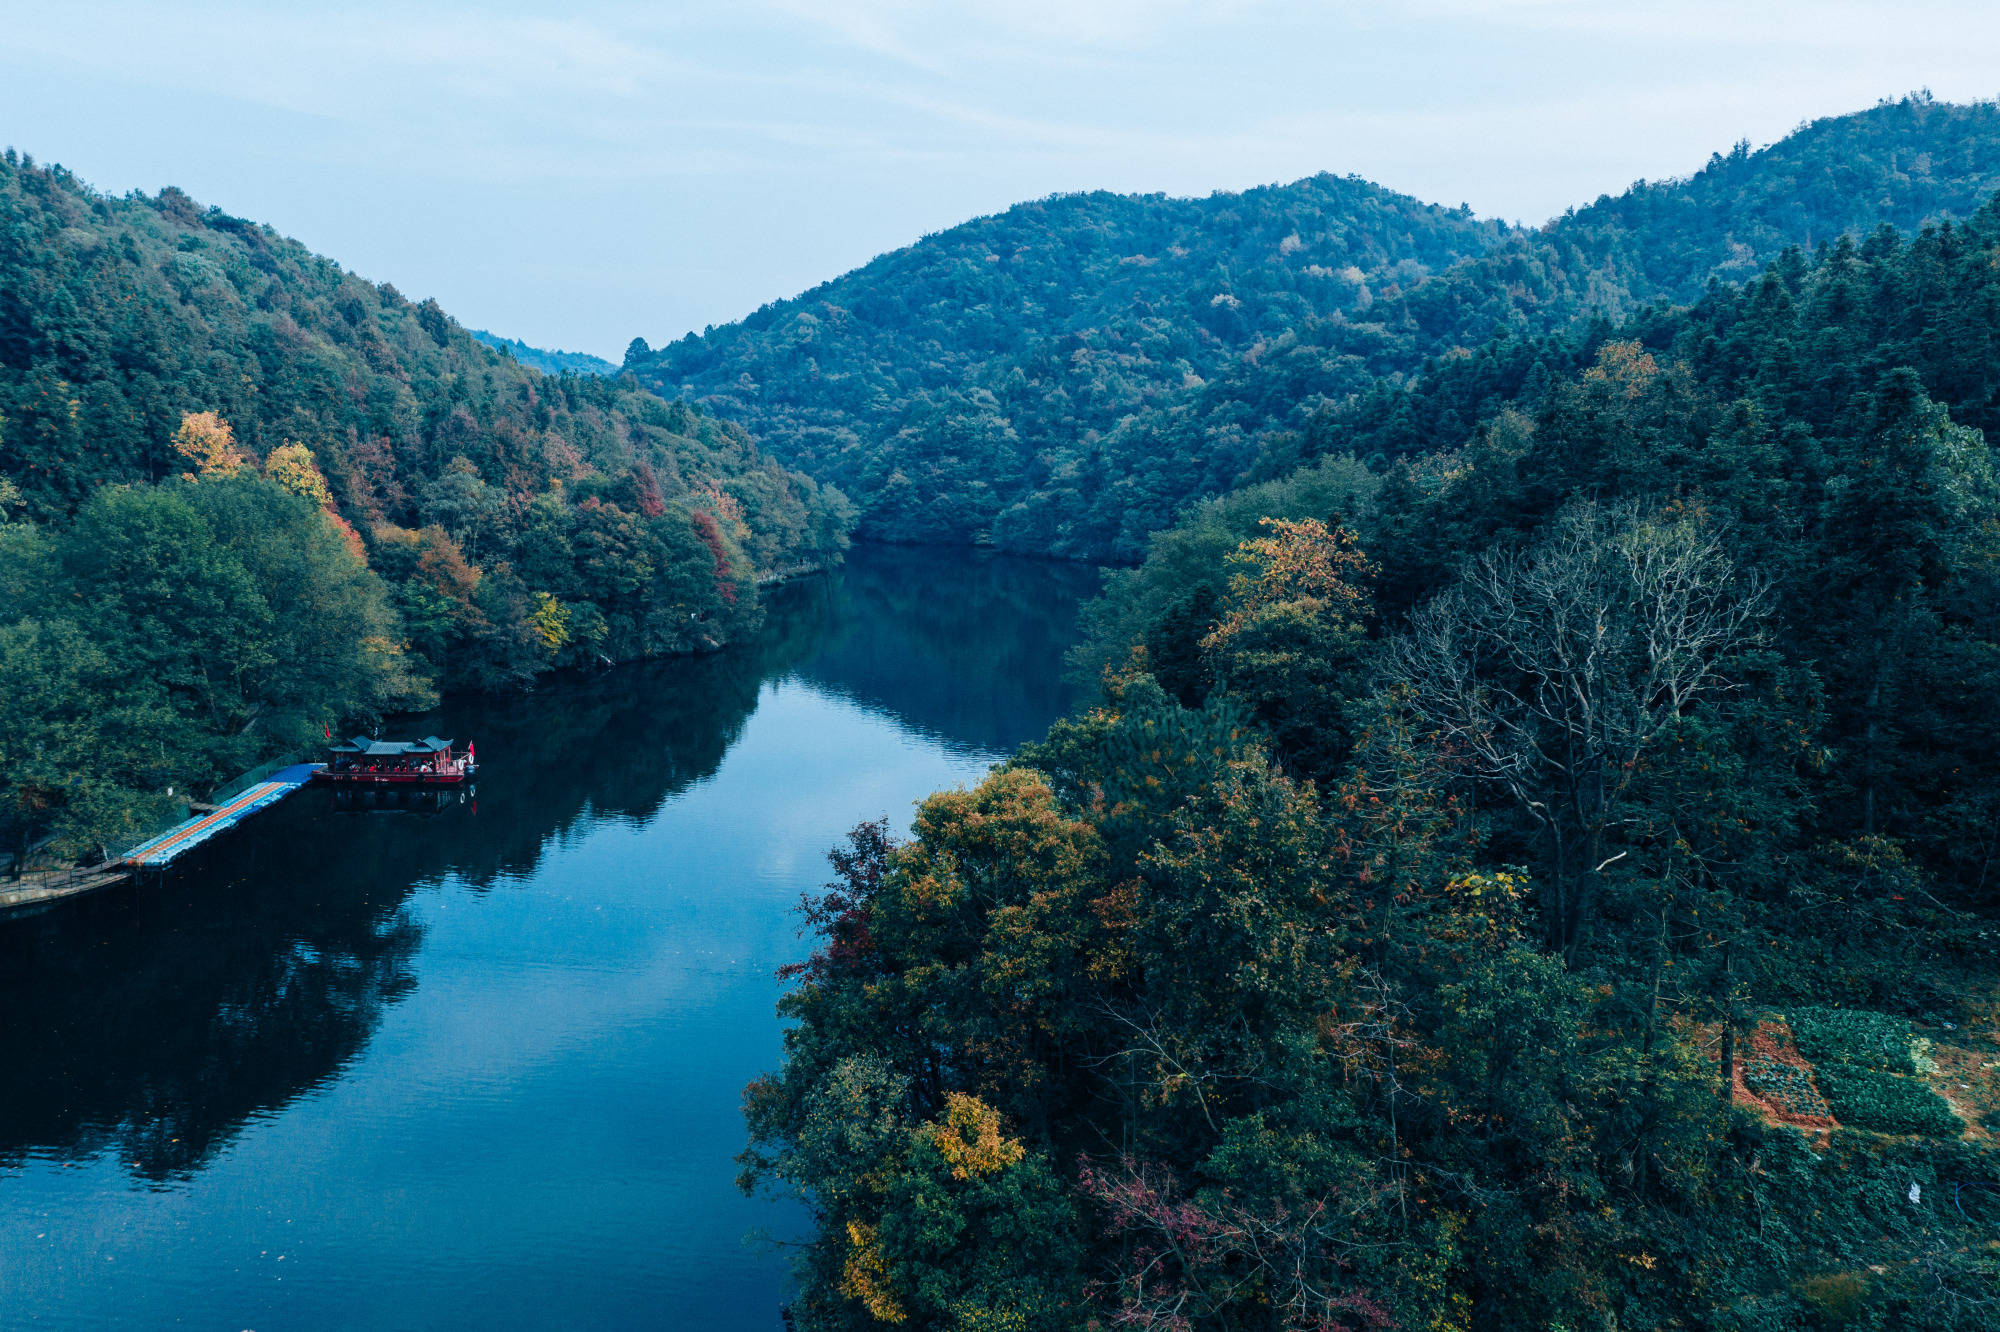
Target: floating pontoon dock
(183, 836)
(37, 889)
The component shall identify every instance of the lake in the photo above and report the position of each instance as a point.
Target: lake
(479, 1063)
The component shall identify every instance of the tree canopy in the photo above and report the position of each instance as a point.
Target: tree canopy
(1530, 865)
(381, 506)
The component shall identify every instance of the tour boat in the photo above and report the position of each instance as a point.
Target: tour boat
(364, 761)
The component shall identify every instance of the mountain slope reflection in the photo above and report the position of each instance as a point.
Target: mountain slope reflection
(962, 647)
(156, 1021)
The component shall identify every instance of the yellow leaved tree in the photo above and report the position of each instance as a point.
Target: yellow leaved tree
(550, 621)
(1301, 562)
(1290, 636)
(970, 1140)
(206, 440)
(291, 465)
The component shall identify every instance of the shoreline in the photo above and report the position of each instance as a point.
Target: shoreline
(19, 897)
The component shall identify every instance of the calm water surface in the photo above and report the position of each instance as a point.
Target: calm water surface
(481, 1065)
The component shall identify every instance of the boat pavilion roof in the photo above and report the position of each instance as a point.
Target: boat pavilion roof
(373, 748)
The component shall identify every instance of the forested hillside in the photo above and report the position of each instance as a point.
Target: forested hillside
(248, 495)
(943, 383)
(1535, 866)
(1064, 377)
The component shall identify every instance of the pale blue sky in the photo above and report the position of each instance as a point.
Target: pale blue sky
(574, 175)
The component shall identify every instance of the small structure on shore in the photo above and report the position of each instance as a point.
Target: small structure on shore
(365, 761)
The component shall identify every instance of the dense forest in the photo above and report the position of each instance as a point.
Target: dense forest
(1063, 378)
(1533, 864)
(246, 496)
(943, 383)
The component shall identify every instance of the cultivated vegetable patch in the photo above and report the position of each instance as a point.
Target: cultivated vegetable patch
(1871, 1099)
(1788, 1088)
(1857, 1036)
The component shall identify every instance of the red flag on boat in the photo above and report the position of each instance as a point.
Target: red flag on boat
(469, 758)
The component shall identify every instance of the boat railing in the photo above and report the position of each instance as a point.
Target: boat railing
(405, 763)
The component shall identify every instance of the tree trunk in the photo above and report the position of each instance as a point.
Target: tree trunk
(1728, 1021)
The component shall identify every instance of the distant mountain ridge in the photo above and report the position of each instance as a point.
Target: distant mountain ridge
(947, 380)
(1063, 377)
(548, 362)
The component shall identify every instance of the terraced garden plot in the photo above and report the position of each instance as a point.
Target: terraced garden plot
(1969, 1077)
(1785, 1086)
(1857, 1036)
(1868, 1098)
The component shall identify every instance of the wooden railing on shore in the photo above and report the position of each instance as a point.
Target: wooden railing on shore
(36, 887)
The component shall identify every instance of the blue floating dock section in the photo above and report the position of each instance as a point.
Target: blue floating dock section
(183, 836)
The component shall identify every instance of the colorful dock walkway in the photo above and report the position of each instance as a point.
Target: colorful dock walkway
(39, 888)
(185, 836)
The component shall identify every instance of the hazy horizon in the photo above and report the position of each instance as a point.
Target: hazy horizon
(620, 172)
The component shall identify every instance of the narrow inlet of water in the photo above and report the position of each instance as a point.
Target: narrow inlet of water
(479, 1062)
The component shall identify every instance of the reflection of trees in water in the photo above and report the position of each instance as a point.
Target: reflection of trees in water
(156, 1020)
(614, 745)
(963, 646)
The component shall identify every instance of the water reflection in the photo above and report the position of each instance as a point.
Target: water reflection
(154, 1024)
(969, 657)
(156, 1021)
(401, 799)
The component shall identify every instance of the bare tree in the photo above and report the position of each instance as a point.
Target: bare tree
(1550, 672)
